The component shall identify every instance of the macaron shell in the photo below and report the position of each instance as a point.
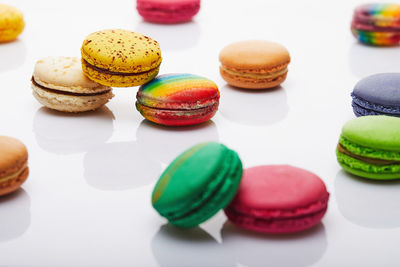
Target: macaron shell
(178, 91)
(254, 56)
(248, 83)
(70, 103)
(162, 11)
(11, 23)
(215, 173)
(13, 155)
(121, 51)
(119, 80)
(177, 117)
(376, 132)
(381, 89)
(278, 199)
(65, 74)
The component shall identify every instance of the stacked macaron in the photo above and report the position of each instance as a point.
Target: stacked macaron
(377, 24)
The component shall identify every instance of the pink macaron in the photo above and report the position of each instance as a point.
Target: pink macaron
(168, 11)
(278, 199)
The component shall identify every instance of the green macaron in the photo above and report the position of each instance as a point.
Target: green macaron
(197, 184)
(369, 147)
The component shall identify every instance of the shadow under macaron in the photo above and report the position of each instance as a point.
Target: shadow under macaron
(166, 143)
(119, 166)
(253, 107)
(258, 249)
(366, 202)
(15, 215)
(70, 133)
(12, 54)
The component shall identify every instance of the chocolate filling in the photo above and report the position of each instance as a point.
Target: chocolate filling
(66, 92)
(101, 70)
(343, 150)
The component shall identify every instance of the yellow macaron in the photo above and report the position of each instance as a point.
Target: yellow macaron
(120, 58)
(11, 23)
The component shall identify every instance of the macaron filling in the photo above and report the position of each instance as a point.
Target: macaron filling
(66, 92)
(14, 175)
(367, 160)
(106, 71)
(254, 75)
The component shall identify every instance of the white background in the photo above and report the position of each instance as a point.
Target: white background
(87, 199)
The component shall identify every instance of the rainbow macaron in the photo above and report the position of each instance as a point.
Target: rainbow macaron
(13, 164)
(369, 147)
(278, 199)
(168, 11)
(11, 23)
(120, 58)
(197, 184)
(377, 24)
(178, 99)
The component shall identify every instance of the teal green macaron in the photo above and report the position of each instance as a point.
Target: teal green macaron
(369, 147)
(197, 184)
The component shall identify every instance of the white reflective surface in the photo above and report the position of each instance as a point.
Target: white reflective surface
(87, 199)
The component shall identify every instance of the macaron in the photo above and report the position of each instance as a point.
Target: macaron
(13, 164)
(59, 83)
(168, 11)
(278, 199)
(369, 147)
(11, 23)
(197, 184)
(254, 64)
(377, 24)
(378, 94)
(120, 58)
(178, 99)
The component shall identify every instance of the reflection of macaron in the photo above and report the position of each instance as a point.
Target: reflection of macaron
(369, 147)
(255, 250)
(368, 203)
(278, 199)
(127, 166)
(59, 83)
(172, 246)
(120, 58)
(168, 11)
(197, 184)
(68, 133)
(11, 23)
(167, 142)
(377, 24)
(254, 64)
(15, 215)
(13, 164)
(377, 94)
(257, 107)
(178, 99)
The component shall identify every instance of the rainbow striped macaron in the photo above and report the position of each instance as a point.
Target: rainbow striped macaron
(377, 24)
(178, 99)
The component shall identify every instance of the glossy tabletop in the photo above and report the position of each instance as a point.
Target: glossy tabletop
(87, 199)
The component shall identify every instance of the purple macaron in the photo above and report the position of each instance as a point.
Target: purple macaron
(378, 94)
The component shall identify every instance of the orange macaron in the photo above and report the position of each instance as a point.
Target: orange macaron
(13, 164)
(254, 64)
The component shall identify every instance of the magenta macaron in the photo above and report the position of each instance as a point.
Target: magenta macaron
(278, 199)
(167, 11)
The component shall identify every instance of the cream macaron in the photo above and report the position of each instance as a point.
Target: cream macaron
(59, 83)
